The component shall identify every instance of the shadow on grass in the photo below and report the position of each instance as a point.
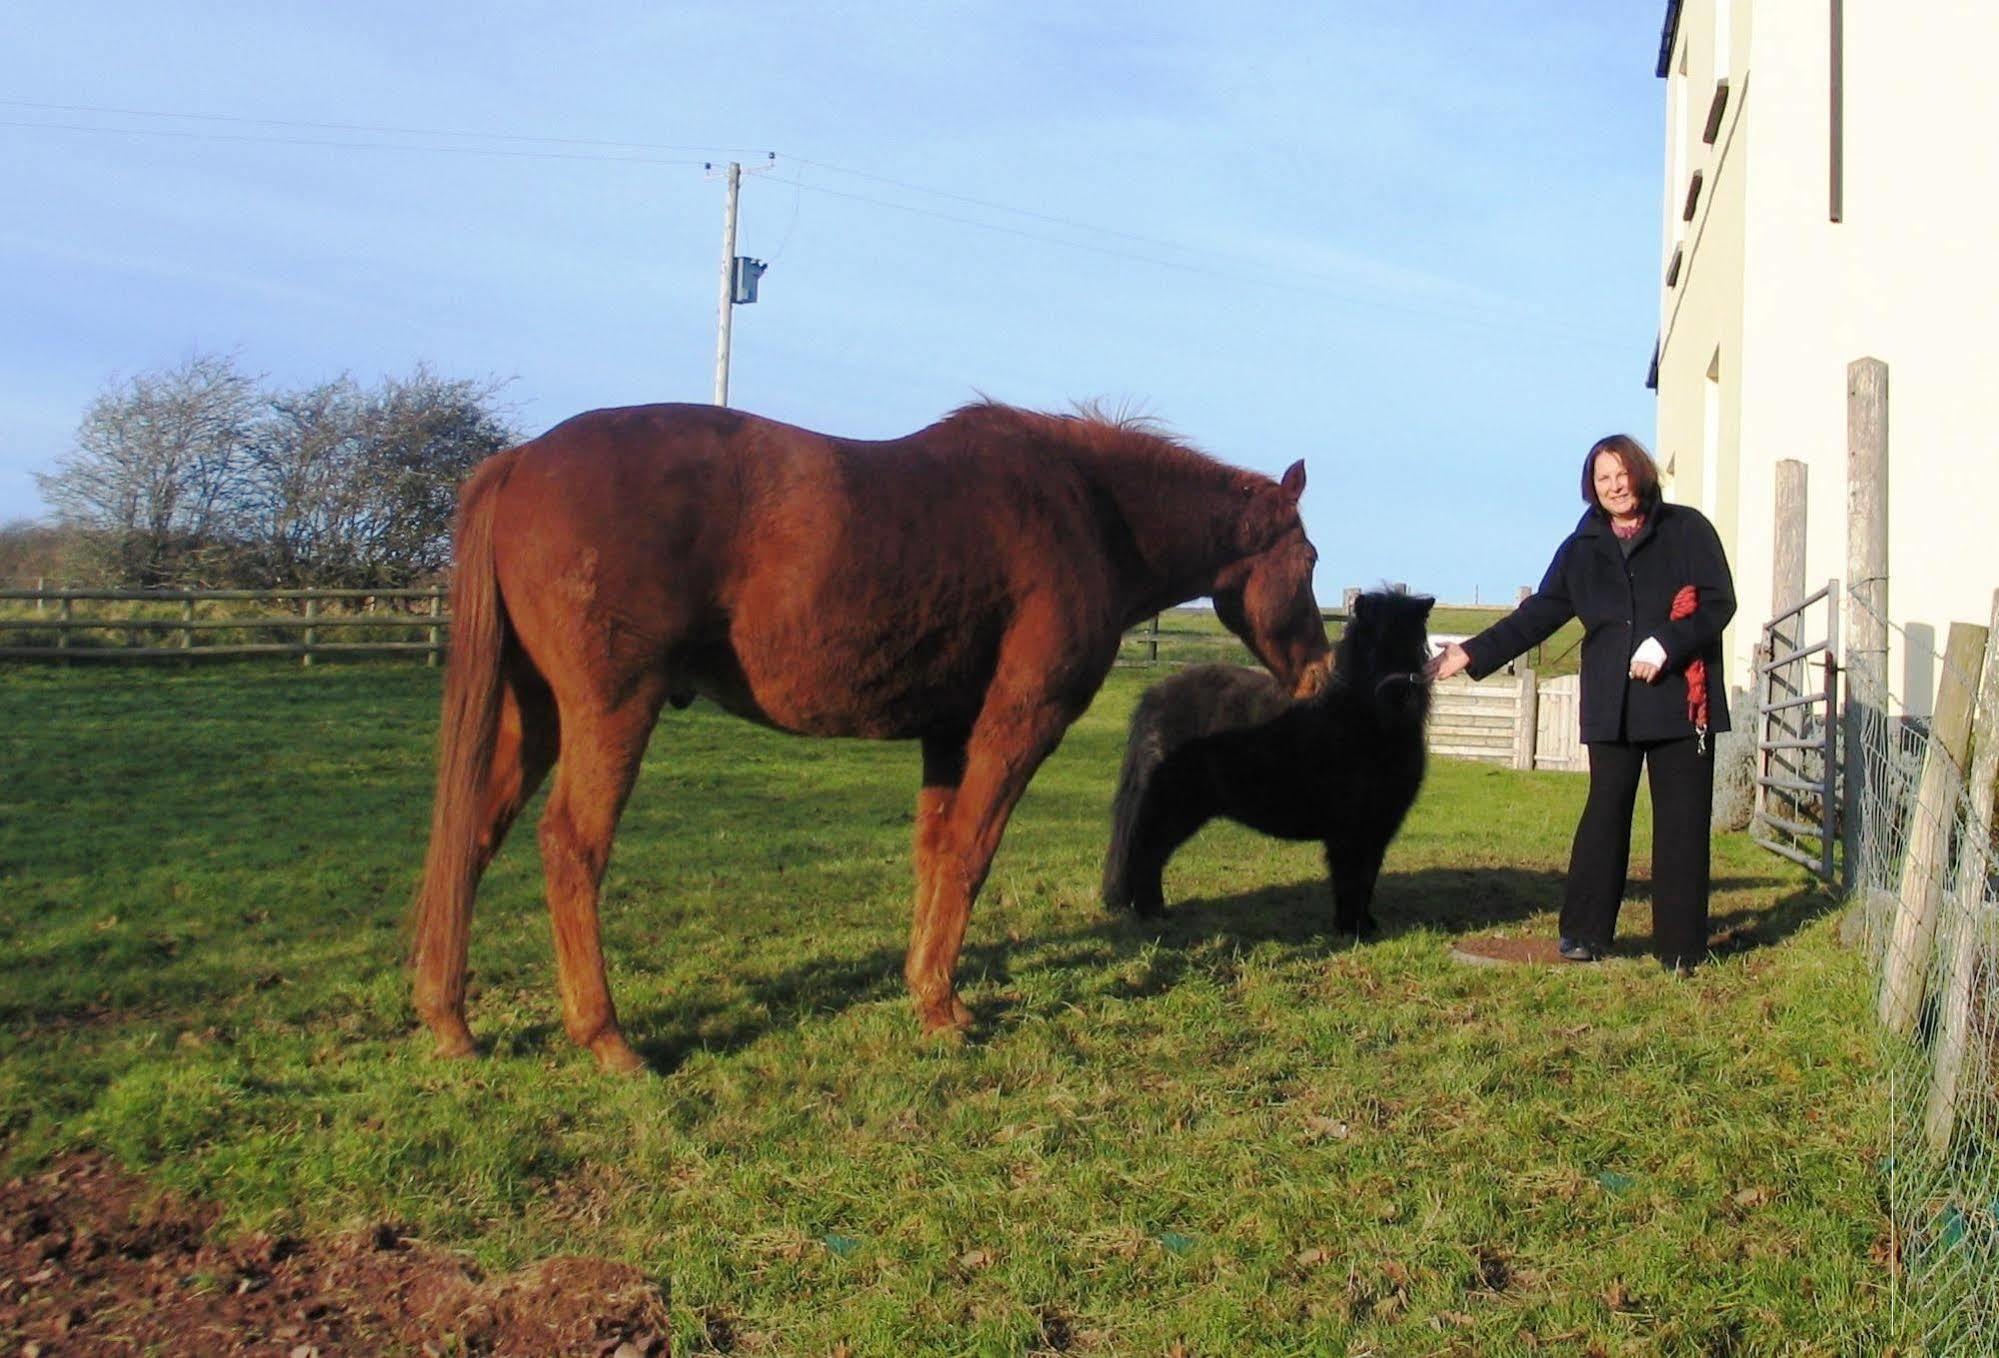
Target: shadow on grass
(1297, 917)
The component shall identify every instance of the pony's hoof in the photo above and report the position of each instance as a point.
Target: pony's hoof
(615, 1055)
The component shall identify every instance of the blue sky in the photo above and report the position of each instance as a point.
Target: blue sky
(1416, 245)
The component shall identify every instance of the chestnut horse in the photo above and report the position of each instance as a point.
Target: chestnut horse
(965, 587)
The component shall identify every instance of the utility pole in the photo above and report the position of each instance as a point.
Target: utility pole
(739, 274)
(728, 297)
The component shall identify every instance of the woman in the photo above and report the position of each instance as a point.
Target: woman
(1652, 693)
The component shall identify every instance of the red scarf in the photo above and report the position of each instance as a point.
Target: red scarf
(1683, 607)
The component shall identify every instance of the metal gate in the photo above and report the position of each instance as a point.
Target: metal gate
(1797, 727)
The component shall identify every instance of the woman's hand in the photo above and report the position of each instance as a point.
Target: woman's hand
(1446, 662)
(1648, 661)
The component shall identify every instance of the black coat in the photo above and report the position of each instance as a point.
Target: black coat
(1622, 600)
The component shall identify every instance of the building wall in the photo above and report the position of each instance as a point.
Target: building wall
(1702, 312)
(1909, 275)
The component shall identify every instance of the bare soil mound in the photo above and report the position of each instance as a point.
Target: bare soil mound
(92, 1261)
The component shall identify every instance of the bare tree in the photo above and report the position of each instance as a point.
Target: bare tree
(157, 466)
(357, 487)
(424, 434)
(196, 475)
(308, 484)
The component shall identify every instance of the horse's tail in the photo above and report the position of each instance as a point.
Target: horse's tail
(1144, 752)
(467, 734)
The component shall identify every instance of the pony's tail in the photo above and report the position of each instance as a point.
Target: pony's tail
(467, 733)
(1144, 751)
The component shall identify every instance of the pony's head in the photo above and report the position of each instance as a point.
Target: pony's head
(1385, 644)
(1265, 596)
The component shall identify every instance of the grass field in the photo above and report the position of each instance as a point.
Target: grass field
(1222, 1134)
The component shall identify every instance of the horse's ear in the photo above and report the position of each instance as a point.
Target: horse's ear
(1427, 602)
(1363, 604)
(1294, 479)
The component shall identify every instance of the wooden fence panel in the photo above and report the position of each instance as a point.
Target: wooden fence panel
(1558, 738)
(115, 625)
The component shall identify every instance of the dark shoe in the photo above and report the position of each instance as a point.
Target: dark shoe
(1575, 950)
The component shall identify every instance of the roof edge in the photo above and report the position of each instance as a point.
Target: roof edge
(1667, 32)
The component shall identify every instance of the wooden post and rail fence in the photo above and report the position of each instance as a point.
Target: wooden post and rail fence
(148, 625)
(1513, 720)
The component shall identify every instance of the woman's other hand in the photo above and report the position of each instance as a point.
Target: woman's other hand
(1446, 662)
(1648, 661)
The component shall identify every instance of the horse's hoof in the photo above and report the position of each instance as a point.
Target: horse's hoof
(615, 1055)
(454, 1041)
(949, 1022)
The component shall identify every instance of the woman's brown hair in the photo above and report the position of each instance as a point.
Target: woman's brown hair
(1638, 465)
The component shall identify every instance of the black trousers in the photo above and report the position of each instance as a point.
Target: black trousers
(1682, 778)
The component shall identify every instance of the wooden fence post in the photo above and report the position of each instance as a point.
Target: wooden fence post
(1152, 641)
(41, 587)
(437, 632)
(1974, 916)
(1912, 941)
(1866, 630)
(1787, 588)
(311, 612)
(1526, 721)
(187, 633)
(63, 615)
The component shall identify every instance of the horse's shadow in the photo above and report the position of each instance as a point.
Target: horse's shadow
(1448, 902)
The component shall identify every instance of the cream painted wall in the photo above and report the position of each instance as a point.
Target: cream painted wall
(1910, 276)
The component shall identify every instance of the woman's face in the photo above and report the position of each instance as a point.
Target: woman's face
(1613, 486)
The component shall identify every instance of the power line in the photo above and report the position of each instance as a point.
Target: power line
(1321, 284)
(1249, 268)
(364, 127)
(486, 151)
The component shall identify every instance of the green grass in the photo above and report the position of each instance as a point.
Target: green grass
(1224, 1130)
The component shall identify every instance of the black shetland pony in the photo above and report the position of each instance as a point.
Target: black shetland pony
(1341, 766)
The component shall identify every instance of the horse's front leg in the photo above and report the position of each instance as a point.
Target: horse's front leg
(958, 830)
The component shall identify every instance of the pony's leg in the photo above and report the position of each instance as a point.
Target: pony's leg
(523, 751)
(599, 762)
(1168, 818)
(1355, 865)
(1007, 745)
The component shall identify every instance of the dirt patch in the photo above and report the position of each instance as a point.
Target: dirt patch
(1497, 950)
(91, 1262)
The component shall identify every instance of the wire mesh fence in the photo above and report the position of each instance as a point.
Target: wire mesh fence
(1924, 880)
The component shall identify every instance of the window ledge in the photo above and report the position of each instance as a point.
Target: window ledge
(1716, 107)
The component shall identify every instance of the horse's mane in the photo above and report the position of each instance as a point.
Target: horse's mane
(1090, 429)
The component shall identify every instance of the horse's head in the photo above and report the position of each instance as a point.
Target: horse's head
(1265, 597)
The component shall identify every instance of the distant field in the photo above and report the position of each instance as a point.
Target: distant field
(1224, 1131)
(1192, 635)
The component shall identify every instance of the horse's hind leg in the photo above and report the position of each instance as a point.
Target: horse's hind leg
(600, 757)
(523, 750)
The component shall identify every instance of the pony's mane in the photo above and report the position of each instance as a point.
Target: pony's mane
(1346, 651)
(1090, 429)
